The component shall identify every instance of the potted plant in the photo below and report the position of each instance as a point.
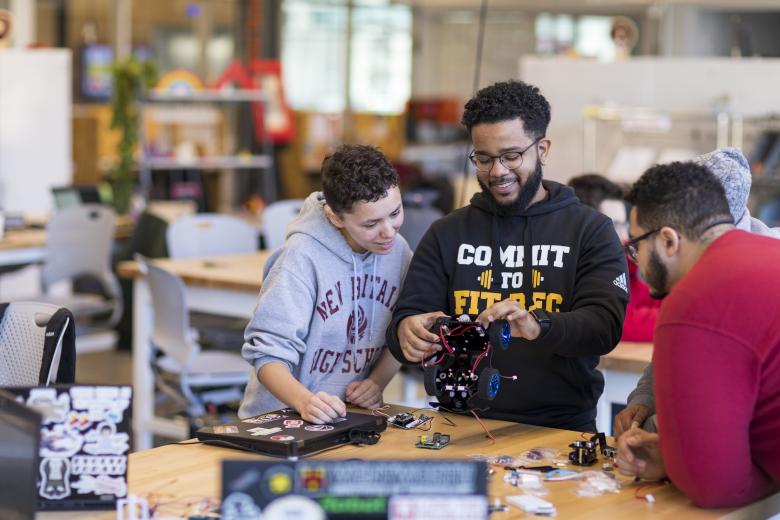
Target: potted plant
(131, 78)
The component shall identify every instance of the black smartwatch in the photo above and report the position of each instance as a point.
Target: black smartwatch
(542, 317)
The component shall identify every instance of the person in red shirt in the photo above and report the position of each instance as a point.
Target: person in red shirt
(717, 342)
(605, 196)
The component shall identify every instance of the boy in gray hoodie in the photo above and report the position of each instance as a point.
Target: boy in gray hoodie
(317, 335)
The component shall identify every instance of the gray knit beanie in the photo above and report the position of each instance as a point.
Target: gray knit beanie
(733, 171)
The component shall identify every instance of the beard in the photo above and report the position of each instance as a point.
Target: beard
(524, 198)
(657, 277)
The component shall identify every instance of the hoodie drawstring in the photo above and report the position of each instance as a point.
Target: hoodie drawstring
(373, 302)
(356, 288)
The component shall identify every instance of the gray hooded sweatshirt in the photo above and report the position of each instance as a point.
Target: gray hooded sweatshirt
(322, 310)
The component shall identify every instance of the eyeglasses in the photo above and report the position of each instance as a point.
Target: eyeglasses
(632, 252)
(510, 160)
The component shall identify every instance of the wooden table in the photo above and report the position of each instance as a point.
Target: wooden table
(186, 474)
(622, 369)
(223, 285)
(28, 246)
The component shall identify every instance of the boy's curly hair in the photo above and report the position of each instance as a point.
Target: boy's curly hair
(356, 173)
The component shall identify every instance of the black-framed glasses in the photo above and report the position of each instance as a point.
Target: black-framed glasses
(510, 160)
(631, 249)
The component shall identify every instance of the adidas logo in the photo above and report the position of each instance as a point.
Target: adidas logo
(620, 281)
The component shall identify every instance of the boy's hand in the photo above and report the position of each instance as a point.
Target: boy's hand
(639, 454)
(321, 408)
(633, 415)
(366, 393)
(416, 339)
(521, 322)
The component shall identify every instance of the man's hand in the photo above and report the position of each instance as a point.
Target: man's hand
(364, 393)
(521, 322)
(639, 454)
(632, 416)
(416, 339)
(321, 408)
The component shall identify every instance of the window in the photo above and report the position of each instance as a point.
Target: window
(314, 51)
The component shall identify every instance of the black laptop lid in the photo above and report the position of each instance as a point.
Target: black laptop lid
(20, 433)
(283, 433)
(84, 443)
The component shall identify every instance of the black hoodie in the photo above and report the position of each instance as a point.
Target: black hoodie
(558, 254)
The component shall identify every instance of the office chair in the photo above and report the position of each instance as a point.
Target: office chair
(79, 243)
(210, 234)
(184, 372)
(276, 216)
(37, 344)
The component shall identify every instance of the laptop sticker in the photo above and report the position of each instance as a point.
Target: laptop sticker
(225, 428)
(101, 485)
(45, 401)
(282, 438)
(293, 423)
(318, 428)
(91, 465)
(59, 441)
(263, 431)
(104, 440)
(262, 419)
(55, 475)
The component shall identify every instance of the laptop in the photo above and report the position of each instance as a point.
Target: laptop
(72, 196)
(84, 442)
(20, 436)
(284, 433)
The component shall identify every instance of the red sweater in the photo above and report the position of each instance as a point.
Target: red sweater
(642, 310)
(717, 373)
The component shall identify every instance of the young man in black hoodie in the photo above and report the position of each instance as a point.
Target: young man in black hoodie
(523, 243)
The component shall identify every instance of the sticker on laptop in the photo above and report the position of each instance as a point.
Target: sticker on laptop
(225, 428)
(104, 440)
(101, 485)
(293, 423)
(262, 419)
(318, 428)
(101, 403)
(78, 420)
(55, 478)
(95, 465)
(46, 402)
(263, 431)
(282, 438)
(59, 441)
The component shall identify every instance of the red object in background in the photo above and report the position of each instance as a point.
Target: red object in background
(642, 309)
(275, 119)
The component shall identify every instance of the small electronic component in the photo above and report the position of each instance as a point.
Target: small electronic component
(407, 420)
(605, 449)
(436, 441)
(583, 453)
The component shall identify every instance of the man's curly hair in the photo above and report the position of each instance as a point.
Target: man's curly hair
(356, 173)
(509, 100)
(683, 195)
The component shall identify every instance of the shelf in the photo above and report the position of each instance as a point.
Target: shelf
(218, 162)
(205, 96)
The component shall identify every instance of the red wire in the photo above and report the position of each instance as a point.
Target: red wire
(490, 435)
(644, 486)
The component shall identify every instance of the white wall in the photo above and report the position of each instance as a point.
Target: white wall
(668, 84)
(35, 127)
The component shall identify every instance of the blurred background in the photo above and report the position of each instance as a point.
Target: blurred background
(630, 82)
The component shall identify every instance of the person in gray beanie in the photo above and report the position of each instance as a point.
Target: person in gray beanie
(733, 171)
